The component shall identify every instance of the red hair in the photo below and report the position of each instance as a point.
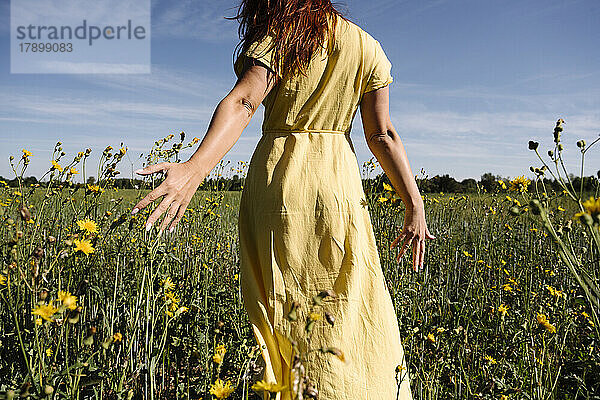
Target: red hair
(298, 29)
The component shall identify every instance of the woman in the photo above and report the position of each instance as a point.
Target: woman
(303, 222)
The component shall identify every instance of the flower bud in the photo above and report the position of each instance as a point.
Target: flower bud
(533, 145)
(536, 207)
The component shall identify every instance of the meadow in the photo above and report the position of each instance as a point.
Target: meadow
(93, 306)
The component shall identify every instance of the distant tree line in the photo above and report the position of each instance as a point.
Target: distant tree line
(488, 182)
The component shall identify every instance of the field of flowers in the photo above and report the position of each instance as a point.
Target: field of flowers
(93, 306)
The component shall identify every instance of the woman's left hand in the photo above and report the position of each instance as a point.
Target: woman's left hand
(181, 183)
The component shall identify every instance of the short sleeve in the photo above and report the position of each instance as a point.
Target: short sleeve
(261, 50)
(380, 75)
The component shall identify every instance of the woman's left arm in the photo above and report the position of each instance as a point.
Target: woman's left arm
(230, 118)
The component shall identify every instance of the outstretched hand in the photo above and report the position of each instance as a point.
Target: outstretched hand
(181, 182)
(414, 232)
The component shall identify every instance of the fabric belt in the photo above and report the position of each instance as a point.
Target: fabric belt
(279, 132)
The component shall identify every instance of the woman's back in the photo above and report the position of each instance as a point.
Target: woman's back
(327, 98)
(304, 227)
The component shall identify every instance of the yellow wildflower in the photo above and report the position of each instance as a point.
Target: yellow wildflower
(87, 225)
(519, 184)
(220, 389)
(592, 206)
(2, 280)
(382, 199)
(542, 320)
(48, 352)
(388, 187)
(431, 337)
(26, 153)
(490, 359)
(268, 386)
(57, 166)
(502, 184)
(220, 351)
(167, 284)
(507, 287)
(73, 171)
(67, 300)
(45, 311)
(555, 292)
(85, 246)
(503, 309)
(466, 253)
(117, 337)
(94, 188)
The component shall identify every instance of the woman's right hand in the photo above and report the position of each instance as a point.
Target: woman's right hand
(178, 188)
(414, 232)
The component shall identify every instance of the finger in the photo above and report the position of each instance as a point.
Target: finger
(180, 213)
(150, 197)
(400, 237)
(407, 242)
(151, 169)
(169, 215)
(422, 255)
(416, 251)
(429, 235)
(162, 208)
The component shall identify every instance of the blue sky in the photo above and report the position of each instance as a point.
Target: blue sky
(474, 81)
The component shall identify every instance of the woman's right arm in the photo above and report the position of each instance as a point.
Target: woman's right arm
(386, 146)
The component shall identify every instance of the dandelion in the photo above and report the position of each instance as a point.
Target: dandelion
(503, 309)
(69, 301)
(431, 337)
(555, 292)
(490, 359)
(220, 351)
(88, 225)
(507, 287)
(56, 166)
(45, 311)
(268, 386)
(220, 389)
(592, 206)
(85, 246)
(519, 184)
(117, 337)
(94, 189)
(542, 320)
(167, 284)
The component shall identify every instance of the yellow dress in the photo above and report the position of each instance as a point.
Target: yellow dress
(304, 227)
